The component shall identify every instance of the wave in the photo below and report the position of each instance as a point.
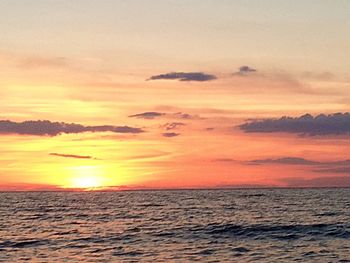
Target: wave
(24, 243)
(261, 231)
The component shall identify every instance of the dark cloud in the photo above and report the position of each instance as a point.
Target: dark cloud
(116, 129)
(170, 134)
(147, 115)
(331, 181)
(184, 76)
(48, 128)
(244, 71)
(72, 156)
(333, 124)
(172, 125)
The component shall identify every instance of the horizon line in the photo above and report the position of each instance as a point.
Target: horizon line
(181, 189)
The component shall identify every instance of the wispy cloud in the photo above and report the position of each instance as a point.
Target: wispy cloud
(184, 76)
(187, 116)
(333, 124)
(299, 161)
(335, 170)
(148, 156)
(31, 187)
(225, 160)
(281, 161)
(48, 128)
(72, 156)
(284, 160)
(330, 167)
(40, 62)
(155, 114)
(329, 181)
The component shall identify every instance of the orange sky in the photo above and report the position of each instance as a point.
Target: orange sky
(182, 82)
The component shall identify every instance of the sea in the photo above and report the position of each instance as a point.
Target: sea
(228, 225)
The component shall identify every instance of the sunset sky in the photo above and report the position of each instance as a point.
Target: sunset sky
(116, 94)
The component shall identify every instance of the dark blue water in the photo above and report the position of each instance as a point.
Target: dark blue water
(286, 225)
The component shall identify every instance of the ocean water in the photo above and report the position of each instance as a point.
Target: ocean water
(271, 225)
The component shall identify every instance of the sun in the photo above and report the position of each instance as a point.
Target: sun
(86, 182)
(87, 177)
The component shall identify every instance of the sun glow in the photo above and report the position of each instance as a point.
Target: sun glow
(87, 177)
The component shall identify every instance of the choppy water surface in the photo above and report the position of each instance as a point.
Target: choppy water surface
(305, 225)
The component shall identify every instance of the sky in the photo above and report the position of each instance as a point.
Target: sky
(118, 95)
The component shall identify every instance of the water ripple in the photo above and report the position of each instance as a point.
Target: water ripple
(268, 225)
